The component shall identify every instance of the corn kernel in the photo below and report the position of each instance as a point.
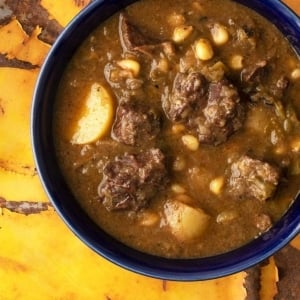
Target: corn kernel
(216, 185)
(181, 33)
(219, 34)
(130, 65)
(203, 49)
(236, 62)
(296, 74)
(190, 142)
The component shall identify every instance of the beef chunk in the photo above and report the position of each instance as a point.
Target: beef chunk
(133, 39)
(254, 72)
(253, 178)
(189, 90)
(213, 110)
(222, 116)
(253, 79)
(135, 123)
(130, 181)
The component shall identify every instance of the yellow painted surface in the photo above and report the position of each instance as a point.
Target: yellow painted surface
(269, 278)
(12, 37)
(16, 89)
(41, 259)
(33, 50)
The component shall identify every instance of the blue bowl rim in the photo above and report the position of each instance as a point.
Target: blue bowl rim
(170, 269)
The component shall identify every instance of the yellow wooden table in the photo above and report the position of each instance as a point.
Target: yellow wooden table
(39, 257)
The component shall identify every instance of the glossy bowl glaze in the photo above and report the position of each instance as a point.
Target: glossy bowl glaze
(78, 221)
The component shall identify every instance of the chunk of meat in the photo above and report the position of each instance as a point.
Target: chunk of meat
(253, 178)
(254, 72)
(133, 39)
(135, 123)
(189, 91)
(212, 109)
(252, 78)
(222, 116)
(132, 180)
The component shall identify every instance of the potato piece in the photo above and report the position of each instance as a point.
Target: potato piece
(97, 116)
(186, 222)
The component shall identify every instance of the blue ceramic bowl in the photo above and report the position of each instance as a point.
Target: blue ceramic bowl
(78, 221)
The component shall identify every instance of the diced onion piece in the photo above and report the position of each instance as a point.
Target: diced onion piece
(130, 65)
(96, 118)
(216, 185)
(181, 33)
(186, 222)
(190, 142)
(203, 49)
(219, 34)
(236, 62)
